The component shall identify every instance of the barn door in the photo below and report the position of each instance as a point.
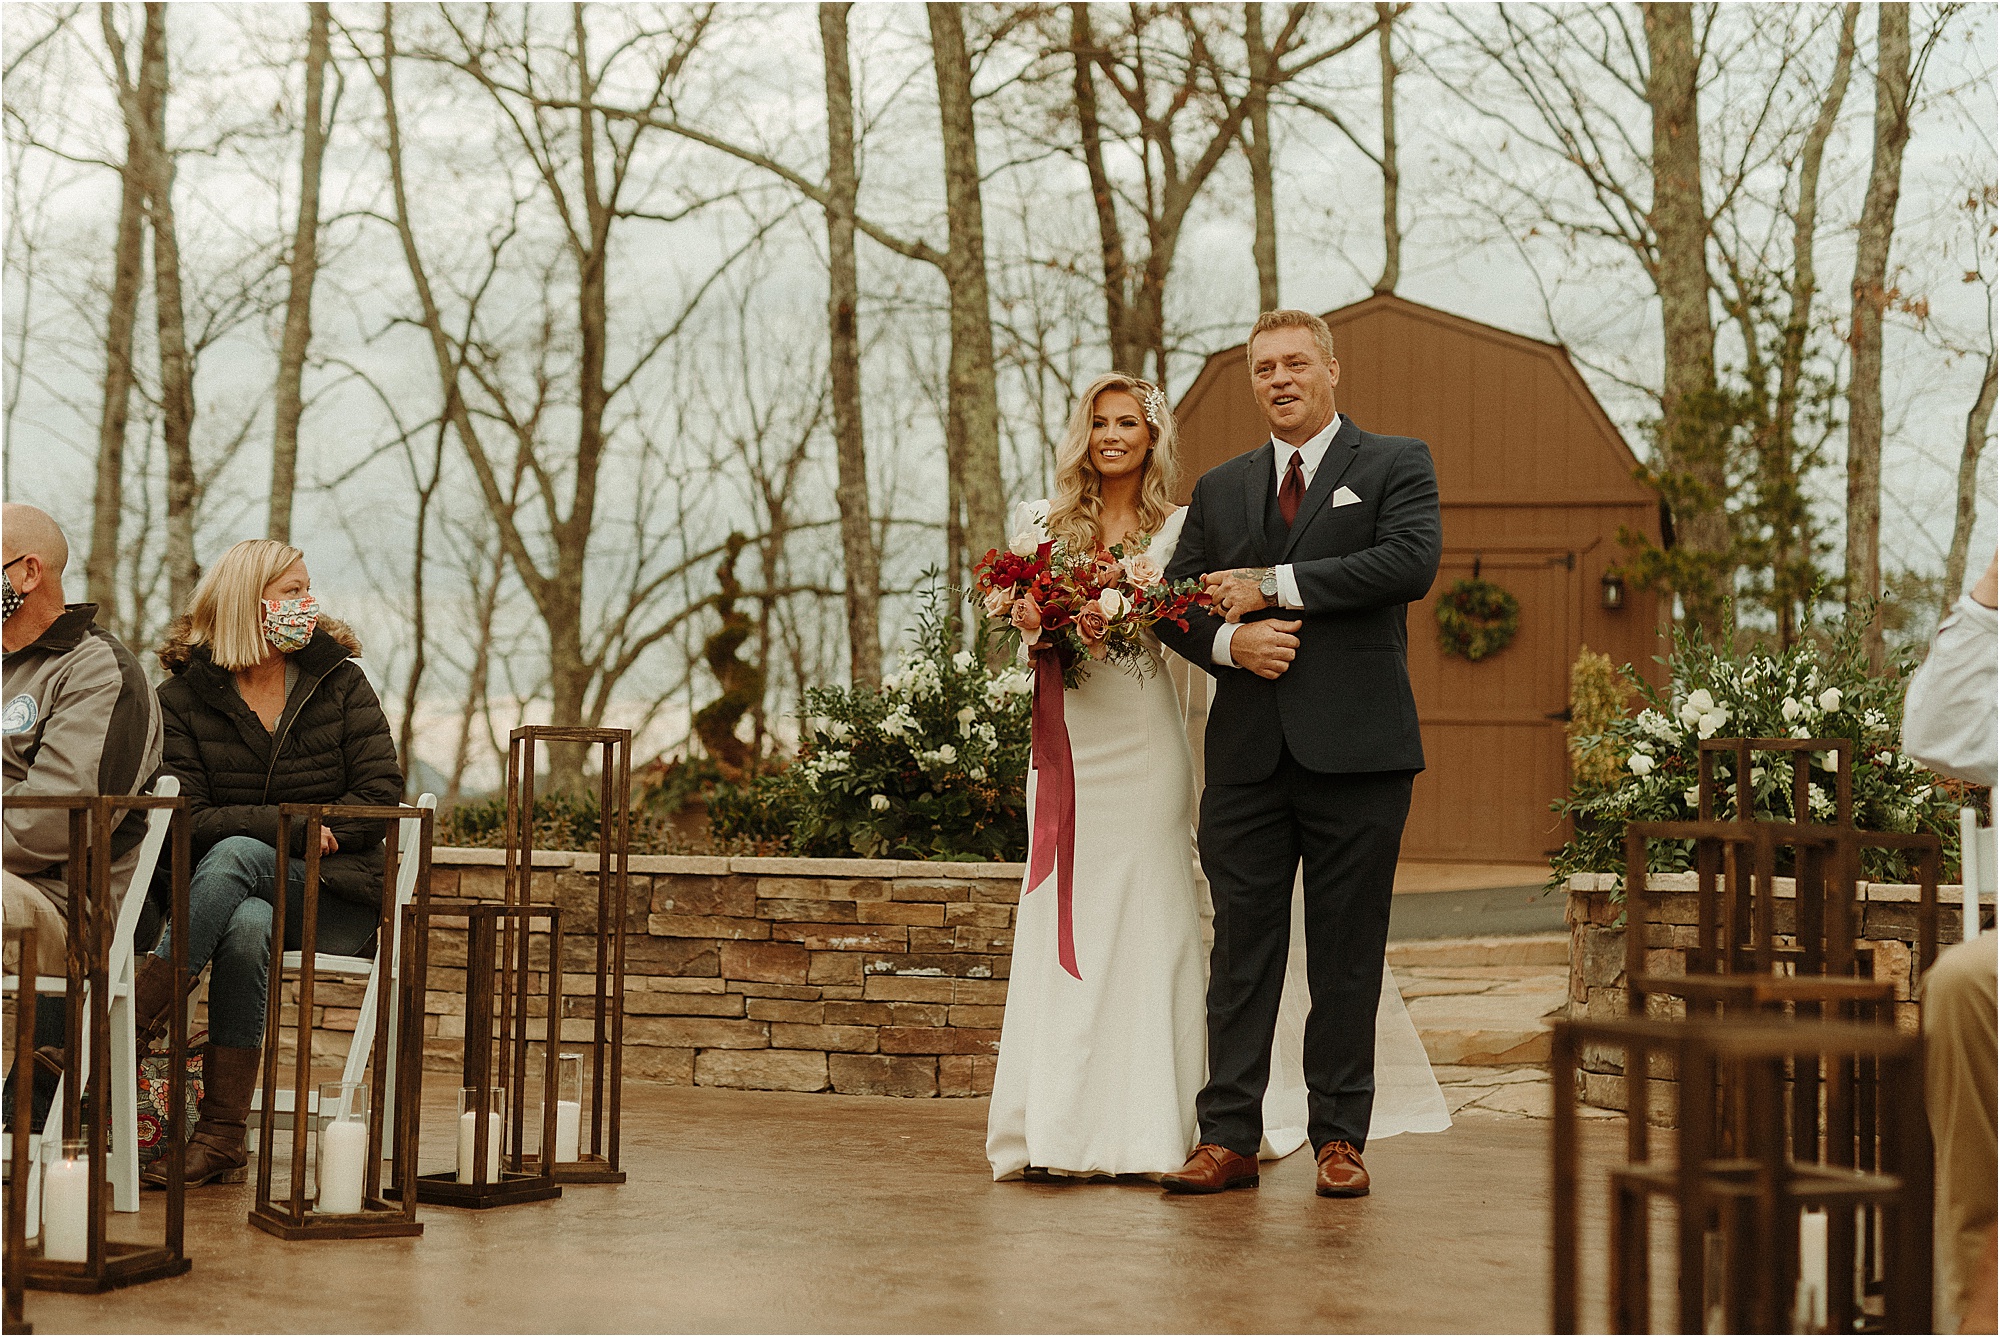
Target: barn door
(1493, 730)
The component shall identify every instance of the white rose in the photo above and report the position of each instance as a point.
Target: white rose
(962, 660)
(1701, 700)
(967, 715)
(947, 754)
(1114, 604)
(1706, 725)
(1640, 764)
(1790, 710)
(1830, 759)
(1024, 543)
(977, 772)
(1829, 700)
(1689, 713)
(879, 802)
(1692, 796)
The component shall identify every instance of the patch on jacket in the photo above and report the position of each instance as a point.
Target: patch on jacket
(19, 715)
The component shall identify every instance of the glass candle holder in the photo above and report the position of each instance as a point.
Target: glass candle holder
(66, 1204)
(343, 1147)
(468, 1135)
(569, 1106)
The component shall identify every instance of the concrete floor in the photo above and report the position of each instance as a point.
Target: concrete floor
(765, 1212)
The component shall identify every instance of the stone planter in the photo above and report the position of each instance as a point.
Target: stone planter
(1597, 956)
(860, 976)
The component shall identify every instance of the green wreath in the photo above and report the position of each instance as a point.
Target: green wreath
(1477, 618)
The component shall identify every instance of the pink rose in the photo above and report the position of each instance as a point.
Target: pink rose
(996, 602)
(1027, 618)
(1143, 571)
(1091, 623)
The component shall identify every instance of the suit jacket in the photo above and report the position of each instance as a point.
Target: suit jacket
(1345, 704)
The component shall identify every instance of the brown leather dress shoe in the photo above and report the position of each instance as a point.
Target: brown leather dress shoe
(1341, 1173)
(1211, 1169)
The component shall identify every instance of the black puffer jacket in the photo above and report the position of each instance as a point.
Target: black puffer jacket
(332, 746)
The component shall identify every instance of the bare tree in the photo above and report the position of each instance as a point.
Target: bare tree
(864, 595)
(108, 500)
(1392, 175)
(1980, 205)
(1870, 295)
(1257, 149)
(304, 270)
(1173, 92)
(972, 425)
(176, 391)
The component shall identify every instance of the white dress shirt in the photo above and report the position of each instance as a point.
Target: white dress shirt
(1310, 454)
(1950, 707)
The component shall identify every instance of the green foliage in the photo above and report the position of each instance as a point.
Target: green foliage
(1808, 691)
(1477, 618)
(565, 821)
(1596, 700)
(932, 766)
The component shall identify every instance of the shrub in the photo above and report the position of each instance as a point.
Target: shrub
(566, 821)
(1808, 691)
(931, 766)
(1596, 700)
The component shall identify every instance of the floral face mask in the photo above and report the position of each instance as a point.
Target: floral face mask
(10, 599)
(289, 623)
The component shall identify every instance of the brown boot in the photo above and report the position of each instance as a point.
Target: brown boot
(152, 1000)
(216, 1154)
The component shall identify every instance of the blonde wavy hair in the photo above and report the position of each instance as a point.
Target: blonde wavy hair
(226, 613)
(1076, 500)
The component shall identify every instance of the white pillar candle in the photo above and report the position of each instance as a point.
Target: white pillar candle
(466, 1144)
(569, 1129)
(1811, 1303)
(343, 1157)
(66, 1211)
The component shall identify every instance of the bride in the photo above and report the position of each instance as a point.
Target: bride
(1098, 1072)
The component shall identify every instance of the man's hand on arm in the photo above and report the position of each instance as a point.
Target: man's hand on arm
(1266, 648)
(1237, 593)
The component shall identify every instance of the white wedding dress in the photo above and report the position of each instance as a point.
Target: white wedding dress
(1099, 1075)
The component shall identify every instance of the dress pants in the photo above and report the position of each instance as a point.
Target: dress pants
(1959, 1066)
(1347, 830)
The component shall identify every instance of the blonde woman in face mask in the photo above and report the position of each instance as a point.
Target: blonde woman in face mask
(266, 705)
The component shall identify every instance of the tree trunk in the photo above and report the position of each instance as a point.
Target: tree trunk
(1870, 298)
(974, 410)
(1257, 148)
(176, 366)
(1690, 444)
(1978, 423)
(406, 746)
(1392, 227)
(1127, 353)
(298, 303)
(108, 501)
(1792, 571)
(864, 646)
(476, 679)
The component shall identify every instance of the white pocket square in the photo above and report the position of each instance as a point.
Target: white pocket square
(1344, 496)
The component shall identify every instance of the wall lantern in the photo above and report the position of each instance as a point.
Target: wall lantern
(1613, 584)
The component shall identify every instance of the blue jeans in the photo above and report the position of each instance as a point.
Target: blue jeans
(229, 925)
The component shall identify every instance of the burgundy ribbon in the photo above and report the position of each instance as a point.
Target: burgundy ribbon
(1055, 803)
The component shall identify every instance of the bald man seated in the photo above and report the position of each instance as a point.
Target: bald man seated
(77, 716)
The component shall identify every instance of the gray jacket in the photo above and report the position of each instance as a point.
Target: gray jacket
(78, 717)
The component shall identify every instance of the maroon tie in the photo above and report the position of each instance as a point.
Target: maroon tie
(1292, 491)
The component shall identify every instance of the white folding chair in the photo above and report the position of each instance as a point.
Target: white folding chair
(1978, 866)
(389, 953)
(124, 1097)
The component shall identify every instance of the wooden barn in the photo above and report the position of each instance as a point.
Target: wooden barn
(1535, 483)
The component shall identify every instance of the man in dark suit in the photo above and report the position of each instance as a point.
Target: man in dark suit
(1313, 545)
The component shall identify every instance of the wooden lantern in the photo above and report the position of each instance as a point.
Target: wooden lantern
(27, 942)
(378, 1218)
(92, 921)
(496, 981)
(1739, 1186)
(597, 1160)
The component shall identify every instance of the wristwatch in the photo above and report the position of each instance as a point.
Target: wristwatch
(1267, 583)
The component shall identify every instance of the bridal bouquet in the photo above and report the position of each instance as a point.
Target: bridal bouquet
(1081, 605)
